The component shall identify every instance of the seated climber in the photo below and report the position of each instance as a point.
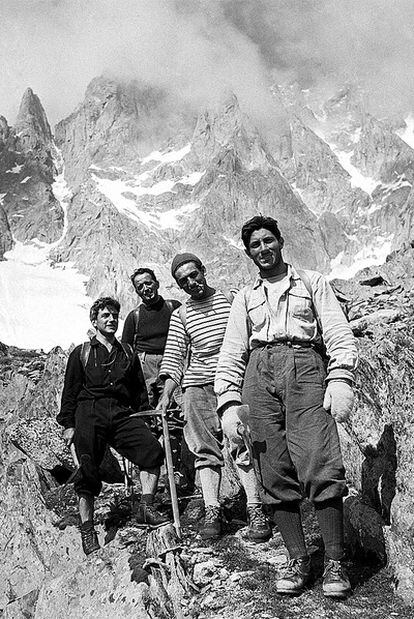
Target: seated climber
(103, 387)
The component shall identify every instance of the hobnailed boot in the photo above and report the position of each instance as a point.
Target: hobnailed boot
(211, 528)
(294, 576)
(89, 537)
(259, 528)
(147, 514)
(335, 580)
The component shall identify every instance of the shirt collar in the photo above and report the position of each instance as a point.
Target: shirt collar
(291, 274)
(95, 342)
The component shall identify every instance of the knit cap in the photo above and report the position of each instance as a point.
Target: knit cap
(181, 259)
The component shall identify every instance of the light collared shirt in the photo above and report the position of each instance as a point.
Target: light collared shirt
(254, 322)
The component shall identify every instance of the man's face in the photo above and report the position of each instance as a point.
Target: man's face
(265, 250)
(106, 321)
(192, 280)
(146, 288)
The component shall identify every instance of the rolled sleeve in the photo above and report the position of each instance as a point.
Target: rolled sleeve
(337, 334)
(234, 354)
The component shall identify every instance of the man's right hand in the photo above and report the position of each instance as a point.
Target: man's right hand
(68, 436)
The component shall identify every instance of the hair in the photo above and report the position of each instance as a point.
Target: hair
(100, 304)
(141, 271)
(256, 223)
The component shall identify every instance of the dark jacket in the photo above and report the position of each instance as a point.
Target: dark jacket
(108, 380)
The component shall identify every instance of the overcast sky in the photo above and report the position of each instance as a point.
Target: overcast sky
(202, 48)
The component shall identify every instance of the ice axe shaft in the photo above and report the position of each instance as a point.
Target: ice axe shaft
(170, 473)
(168, 458)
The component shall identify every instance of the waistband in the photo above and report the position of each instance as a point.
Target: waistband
(288, 343)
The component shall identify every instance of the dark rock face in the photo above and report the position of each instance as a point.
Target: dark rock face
(27, 173)
(6, 239)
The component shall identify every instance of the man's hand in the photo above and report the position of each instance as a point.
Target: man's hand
(169, 388)
(68, 436)
(164, 403)
(339, 399)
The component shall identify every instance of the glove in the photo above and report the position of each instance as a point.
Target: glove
(68, 435)
(339, 399)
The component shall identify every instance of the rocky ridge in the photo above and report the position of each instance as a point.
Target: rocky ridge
(192, 195)
(47, 576)
(27, 171)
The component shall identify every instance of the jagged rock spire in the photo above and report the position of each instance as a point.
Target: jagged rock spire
(32, 121)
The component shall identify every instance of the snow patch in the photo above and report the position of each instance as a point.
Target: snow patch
(407, 134)
(15, 169)
(62, 193)
(117, 191)
(169, 157)
(373, 254)
(366, 183)
(41, 306)
(27, 178)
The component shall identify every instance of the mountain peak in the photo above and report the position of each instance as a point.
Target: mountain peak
(32, 119)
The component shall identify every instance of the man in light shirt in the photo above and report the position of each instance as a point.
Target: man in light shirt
(270, 360)
(193, 344)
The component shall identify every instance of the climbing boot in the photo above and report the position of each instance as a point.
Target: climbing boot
(89, 537)
(148, 515)
(259, 528)
(335, 580)
(294, 576)
(211, 528)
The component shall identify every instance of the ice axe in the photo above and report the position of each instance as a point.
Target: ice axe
(168, 459)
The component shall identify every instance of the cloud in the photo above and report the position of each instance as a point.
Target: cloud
(200, 49)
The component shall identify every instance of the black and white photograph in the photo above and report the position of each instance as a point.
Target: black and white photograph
(206, 309)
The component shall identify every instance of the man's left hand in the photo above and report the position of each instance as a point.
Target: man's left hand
(339, 399)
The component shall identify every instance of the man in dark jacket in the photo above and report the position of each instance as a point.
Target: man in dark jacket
(103, 387)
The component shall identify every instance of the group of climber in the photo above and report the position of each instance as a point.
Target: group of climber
(261, 349)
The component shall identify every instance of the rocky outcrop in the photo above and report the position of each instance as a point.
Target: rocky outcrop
(116, 124)
(380, 153)
(45, 575)
(6, 239)
(323, 183)
(378, 441)
(27, 173)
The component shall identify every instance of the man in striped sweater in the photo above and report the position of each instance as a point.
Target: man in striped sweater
(193, 344)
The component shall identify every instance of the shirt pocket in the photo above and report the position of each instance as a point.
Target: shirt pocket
(301, 306)
(256, 313)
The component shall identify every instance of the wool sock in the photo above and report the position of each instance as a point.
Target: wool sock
(330, 516)
(210, 478)
(288, 520)
(248, 480)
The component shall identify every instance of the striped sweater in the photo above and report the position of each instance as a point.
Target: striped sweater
(202, 336)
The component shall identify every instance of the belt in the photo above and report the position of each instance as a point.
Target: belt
(289, 343)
